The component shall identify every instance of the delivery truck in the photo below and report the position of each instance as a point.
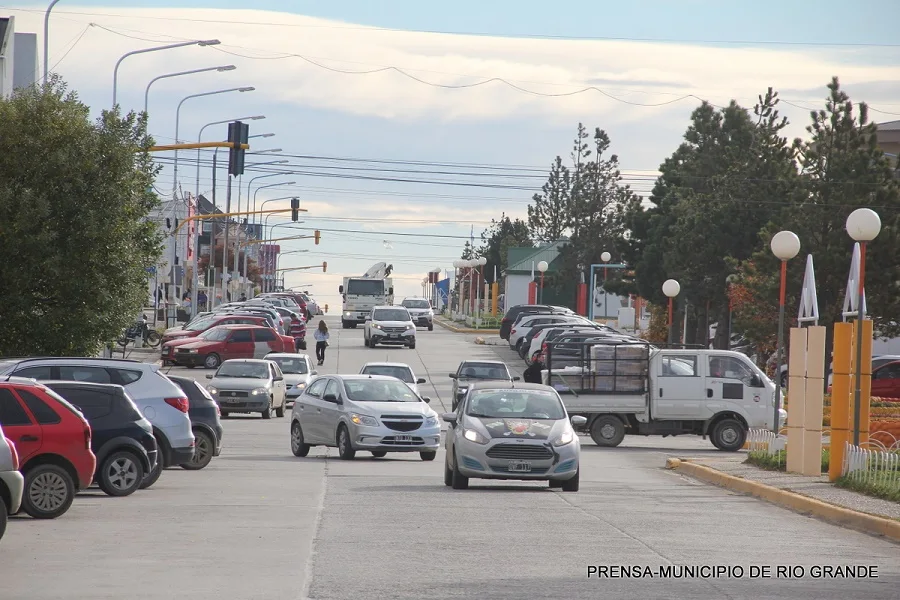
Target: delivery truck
(635, 388)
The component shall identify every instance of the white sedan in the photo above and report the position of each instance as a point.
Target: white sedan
(401, 371)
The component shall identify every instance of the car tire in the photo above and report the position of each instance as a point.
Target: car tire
(571, 485)
(345, 325)
(299, 447)
(345, 447)
(154, 475)
(608, 431)
(204, 447)
(267, 414)
(379, 453)
(188, 366)
(427, 456)
(448, 474)
(457, 480)
(120, 474)
(412, 345)
(431, 327)
(556, 484)
(372, 343)
(3, 517)
(212, 361)
(279, 412)
(353, 325)
(49, 492)
(729, 435)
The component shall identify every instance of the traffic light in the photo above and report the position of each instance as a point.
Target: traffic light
(295, 209)
(324, 267)
(318, 236)
(326, 308)
(238, 134)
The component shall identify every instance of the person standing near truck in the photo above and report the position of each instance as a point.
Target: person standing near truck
(321, 336)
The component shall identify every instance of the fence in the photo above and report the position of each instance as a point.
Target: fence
(766, 448)
(876, 469)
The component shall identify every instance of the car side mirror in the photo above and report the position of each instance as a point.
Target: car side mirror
(449, 418)
(391, 291)
(368, 318)
(517, 378)
(278, 379)
(452, 375)
(340, 289)
(579, 421)
(209, 376)
(330, 398)
(420, 380)
(314, 373)
(426, 399)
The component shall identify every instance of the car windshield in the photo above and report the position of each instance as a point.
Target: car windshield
(473, 370)
(200, 325)
(216, 334)
(291, 366)
(401, 373)
(365, 287)
(378, 390)
(515, 404)
(416, 304)
(243, 370)
(391, 314)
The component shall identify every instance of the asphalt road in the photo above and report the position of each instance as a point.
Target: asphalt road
(260, 524)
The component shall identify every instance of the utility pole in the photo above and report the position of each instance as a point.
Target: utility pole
(225, 241)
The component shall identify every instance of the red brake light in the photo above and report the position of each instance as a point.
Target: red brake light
(15, 455)
(181, 403)
(513, 331)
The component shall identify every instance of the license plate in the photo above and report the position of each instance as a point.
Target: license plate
(519, 466)
(232, 400)
(403, 438)
(395, 335)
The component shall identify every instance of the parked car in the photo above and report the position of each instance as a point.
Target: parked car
(390, 325)
(228, 342)
(121, 438)
(421, 312)
(249, 386)
(205, 422)
(279, 323)
(472, 371)
(541, 333)
(11, 481)
(401, 371)
(506, 430)
(298, 373)
(160, 400)
(192, 330)
(299, 299)
(297, 328)
(528, 321)
(364, 413)
(53, 441)
(513, 313)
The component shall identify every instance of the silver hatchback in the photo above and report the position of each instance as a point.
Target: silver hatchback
(510, 430)
(374, 413)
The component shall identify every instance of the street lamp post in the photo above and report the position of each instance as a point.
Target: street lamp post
(47, 40)
(605, 258)
(863, 225)
(542, 267)
(195, 283)
(671, 288)
(266, 221)
(154, 49)
(480, 262)
(192, 72)
(238, 241)
(785, 246)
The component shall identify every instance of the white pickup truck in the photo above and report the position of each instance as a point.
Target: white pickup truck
(638, 389)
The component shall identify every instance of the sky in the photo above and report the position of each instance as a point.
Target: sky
(392, 85)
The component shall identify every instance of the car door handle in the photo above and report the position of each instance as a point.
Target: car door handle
(660, 392)
(29, 438)
(709, 392)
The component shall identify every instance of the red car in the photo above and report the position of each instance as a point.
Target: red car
(886, 380)
(225, 342)
(195, 329)
(53, 441)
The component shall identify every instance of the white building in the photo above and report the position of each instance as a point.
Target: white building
(18, 58)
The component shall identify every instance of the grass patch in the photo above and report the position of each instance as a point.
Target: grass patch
(778, 461)
(878, 485)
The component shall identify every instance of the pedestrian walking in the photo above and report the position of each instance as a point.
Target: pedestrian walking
(321, 336)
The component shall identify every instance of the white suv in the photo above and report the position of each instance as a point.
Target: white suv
(390, 325)
(11, 482)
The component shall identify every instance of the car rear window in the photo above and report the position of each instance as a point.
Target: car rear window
(78, 373)
(11, 412)
(128, 376)
(44, 414)
(63, 402)
(92, 403)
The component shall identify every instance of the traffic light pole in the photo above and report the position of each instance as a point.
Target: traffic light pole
(225, 242)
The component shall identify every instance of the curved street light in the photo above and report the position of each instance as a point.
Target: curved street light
(785, 246)
(47, 39)
(221, 69)
(671, 288)
(155, 49)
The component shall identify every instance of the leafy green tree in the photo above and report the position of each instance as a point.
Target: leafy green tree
(74, 226)
(842, 169)
(468, 252)
(502, 235)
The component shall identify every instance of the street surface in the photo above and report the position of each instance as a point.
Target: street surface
(258, 523)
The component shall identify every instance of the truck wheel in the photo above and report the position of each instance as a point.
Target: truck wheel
(608, 431)
(352, 325)
(345, 324)
(729, 435)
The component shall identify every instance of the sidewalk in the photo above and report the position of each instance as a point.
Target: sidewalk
(459, 328)
(813, 495)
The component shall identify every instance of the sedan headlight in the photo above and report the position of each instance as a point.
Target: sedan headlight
(192, 351)
(260, 391)
(212, 390)
(566, 438)
(430, 421)
(300, 386)
(475, 436)
(363, 420)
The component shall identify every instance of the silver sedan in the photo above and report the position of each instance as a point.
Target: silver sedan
(511, 430)
(372, 413)
(248, 385)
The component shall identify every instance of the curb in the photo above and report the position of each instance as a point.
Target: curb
(827, 512)
(455, 329)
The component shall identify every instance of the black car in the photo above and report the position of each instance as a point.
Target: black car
(122, 439)
(513, 313)
(537, 329)
(472, 371)
(205, 422)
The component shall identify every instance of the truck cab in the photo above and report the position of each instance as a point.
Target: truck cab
(638, 389)
(362, 294)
